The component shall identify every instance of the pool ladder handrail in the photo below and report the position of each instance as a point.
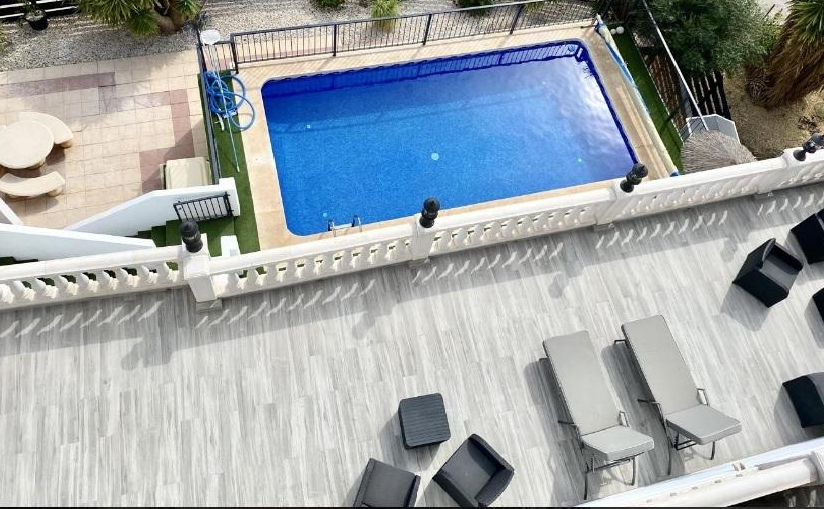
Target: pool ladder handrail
(332, 227)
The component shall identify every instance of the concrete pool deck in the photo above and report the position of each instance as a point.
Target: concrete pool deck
(271, 221)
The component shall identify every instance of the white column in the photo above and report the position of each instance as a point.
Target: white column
(620, 200)
(196, 271)
(421, 244)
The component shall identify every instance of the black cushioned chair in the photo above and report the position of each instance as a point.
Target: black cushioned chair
(387, 486)
(806, 394)
(475, 475)
(769, 272)
(810, 236)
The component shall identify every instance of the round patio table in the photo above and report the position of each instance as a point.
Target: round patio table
(24, 145)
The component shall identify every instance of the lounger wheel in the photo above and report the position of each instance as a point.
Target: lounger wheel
(56, 192)
(67, 144)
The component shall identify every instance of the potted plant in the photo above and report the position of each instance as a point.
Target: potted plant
(35, 16)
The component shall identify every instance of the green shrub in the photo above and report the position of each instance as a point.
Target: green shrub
(330, 4)
(708, 35)
(142, 17)
(385, 9)
(474, 3)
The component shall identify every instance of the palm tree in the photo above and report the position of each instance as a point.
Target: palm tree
(796, 66)
(143, 17)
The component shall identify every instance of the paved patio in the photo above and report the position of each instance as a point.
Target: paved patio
(281, 397)
(128, 116)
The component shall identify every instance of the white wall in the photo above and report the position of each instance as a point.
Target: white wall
(7, 215)
(29, 243)
(152, 209)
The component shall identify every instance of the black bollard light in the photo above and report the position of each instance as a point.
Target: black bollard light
(190, 234)
(809, 147)
(429, 212)
(638, 173)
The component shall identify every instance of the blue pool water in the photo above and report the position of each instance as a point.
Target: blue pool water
(376, 142)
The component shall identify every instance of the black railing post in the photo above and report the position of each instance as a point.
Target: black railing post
(234, 52)
(335, 40)
(228, 204)
(517, 17)
(426, 30)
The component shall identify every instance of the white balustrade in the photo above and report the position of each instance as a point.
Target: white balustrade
(70, 279)
(216, 278)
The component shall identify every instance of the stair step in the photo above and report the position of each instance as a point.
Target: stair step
(173, 233)
(158, 235)
(8, 260)
(145, 234)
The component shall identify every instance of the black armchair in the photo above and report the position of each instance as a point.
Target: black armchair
(769, 272)
(475, 475)
(805, 392)
(810, 235)
(387, 486)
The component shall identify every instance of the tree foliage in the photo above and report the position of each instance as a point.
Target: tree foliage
(796, 66)
(708, 35)
(142, 17)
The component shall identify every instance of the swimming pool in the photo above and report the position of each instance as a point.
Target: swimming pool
(376, 142)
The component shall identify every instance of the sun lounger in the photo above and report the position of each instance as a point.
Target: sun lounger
(603, 431)
(62, 134)
(682, 407)
(16, 187)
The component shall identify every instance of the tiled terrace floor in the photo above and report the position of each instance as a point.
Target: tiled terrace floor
(281, 397)
(128, 116)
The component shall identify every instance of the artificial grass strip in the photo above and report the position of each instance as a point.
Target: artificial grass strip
(649, 93)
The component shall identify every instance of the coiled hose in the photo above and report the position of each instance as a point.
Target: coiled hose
(224, 102)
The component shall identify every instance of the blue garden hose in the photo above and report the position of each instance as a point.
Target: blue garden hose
(224, 102)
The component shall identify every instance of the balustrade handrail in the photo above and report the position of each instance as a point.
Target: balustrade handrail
(91, 263)
(310, 249)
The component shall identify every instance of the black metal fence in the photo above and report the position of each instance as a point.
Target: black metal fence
(683, 116)
(214, 154)
(338, 37)
(11, 10)
(204, 209)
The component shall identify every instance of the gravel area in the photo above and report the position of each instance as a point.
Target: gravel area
(768, 132)
(75, 39)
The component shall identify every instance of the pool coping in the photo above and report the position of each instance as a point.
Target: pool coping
(271, 220)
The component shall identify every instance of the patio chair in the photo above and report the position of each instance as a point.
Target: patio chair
(63, 136)
(603, 431)
(807, 396)
(387, 486)
(475, 475)
(768, 273)
(682, 407)
(16, 187)
(810, 236)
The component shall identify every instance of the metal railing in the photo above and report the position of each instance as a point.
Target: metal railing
(338, 37)
(204, 209)
(683, 115)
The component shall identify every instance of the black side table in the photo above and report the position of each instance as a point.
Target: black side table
(423, 421)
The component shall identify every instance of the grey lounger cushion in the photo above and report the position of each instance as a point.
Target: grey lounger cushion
(617, 443)
(588, 399)
(703, 424)
(671, 385)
